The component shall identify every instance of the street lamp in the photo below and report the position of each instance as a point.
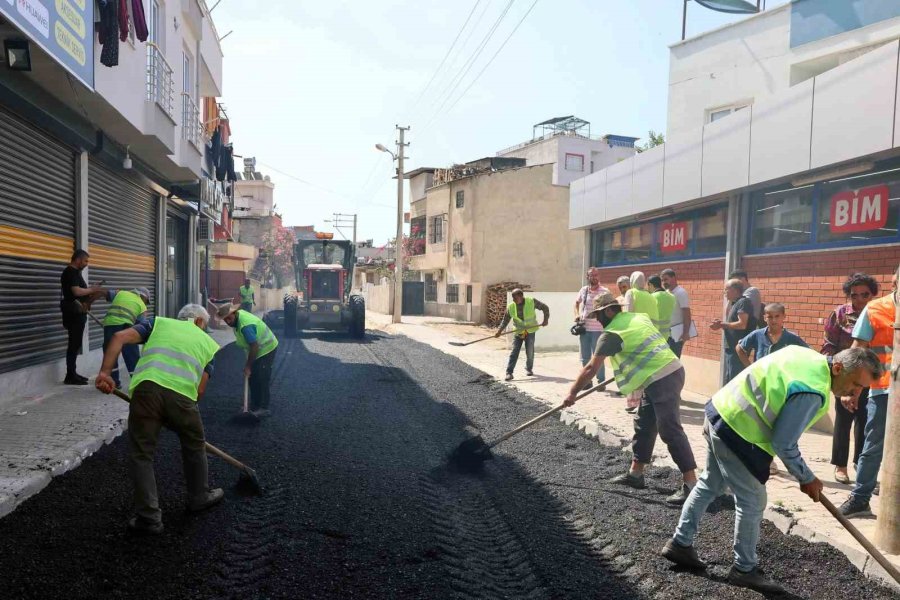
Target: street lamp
(398, 244)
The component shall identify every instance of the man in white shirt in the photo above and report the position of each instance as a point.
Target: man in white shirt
(584, 303)
(681, 315)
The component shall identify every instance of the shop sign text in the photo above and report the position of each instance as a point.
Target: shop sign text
(673, 236)
(859, 210)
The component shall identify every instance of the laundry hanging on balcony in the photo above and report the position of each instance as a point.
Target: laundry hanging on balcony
(139, 20)
(108, 32)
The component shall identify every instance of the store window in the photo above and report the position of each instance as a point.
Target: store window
(850, 211)
(452, 293)
(696, 234)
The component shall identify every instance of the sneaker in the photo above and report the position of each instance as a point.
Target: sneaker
(211, 498)
(841, 477)
(74, 380)
(854, 508)
(680, 496)
(684, 556)
(139, 526)
(508, 377)
(754, 580)
(529, 372)
(631, 410)
(630, 479)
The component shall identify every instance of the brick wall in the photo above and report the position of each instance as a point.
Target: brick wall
(704, 282)
(809, 284)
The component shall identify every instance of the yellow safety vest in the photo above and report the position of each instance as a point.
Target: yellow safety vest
(246, 294)
(644, 303)
(125, 309)
(264, 336)
(665, 305)
(529, 321)
(644, 351)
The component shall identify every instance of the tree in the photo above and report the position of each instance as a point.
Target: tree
(274, 266)
(653, 140)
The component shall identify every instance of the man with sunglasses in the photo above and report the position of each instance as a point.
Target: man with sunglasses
(874, 330)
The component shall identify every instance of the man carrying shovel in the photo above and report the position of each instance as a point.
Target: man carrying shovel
(169, 379)
(521, 311)
(760, 413)
(260, 344)
(643, 361)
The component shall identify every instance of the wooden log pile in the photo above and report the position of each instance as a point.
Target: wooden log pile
(495, 298)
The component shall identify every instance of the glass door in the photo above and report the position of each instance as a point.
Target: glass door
(176, 264)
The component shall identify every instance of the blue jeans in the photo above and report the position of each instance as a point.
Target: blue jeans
(517, 347)
(130, 352)
(870, 458)
(588, 343)
(724, 468)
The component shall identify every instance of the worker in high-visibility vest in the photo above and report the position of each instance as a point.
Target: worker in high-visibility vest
(248, 299)
(761, 413)
(665, 305)
(126, 308)
(643, 363)
(522, 312)
(169, 379)
(260, 344)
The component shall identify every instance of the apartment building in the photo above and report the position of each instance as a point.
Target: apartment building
(782, 157)
(102, 147)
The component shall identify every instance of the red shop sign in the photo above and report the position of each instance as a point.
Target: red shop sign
(859, 210)
(673, 236)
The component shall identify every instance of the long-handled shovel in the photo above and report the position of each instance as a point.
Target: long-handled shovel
(471, 453)
(486, 338)
(248, 480)
(865, 543)
(245, 417)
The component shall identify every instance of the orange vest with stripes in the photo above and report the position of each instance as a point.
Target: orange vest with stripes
(881, 317)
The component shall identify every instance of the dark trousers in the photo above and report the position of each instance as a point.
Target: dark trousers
(676, 347)
(260, 380)
(153, 407)
(659, 414)
(131, 354)
(844, 420)
(517, 347)
(74, 323)
(247, 306)
(733, 366)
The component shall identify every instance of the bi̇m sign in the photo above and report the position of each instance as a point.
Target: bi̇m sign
(859, 210)
(673, 236)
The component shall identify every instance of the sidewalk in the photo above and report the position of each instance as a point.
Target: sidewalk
(603, 415)
(45, 436)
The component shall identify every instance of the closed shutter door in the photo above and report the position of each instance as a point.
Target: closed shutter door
(122, 227)
(37, 232)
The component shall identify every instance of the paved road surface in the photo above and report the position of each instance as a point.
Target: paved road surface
(357, 505)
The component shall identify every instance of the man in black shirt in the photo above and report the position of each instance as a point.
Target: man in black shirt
(75, 301)
(738, 324)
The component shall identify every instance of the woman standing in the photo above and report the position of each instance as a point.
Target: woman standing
(858, 289)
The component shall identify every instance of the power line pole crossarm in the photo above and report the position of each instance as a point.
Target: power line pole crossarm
(398, 243)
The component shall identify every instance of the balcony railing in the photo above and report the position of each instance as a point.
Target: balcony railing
(160, 86)
(191, 127)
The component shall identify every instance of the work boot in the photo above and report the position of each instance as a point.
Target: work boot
(635, 480)
(684, 556)
(755, 580)
(680, 496)
(74, 380)
(139, 526)
(854, 508)
(81, 377)
(508, 377)
(211, 498)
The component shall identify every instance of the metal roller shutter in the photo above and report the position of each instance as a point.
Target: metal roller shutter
(37, 229)
(122, 233)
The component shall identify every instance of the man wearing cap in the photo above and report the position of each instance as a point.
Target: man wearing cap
(169, 379)
(521, 311)
(643, 361)
(126, 308)
(260, 344)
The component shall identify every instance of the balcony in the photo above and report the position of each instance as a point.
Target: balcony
(191, 127)
(160, 84)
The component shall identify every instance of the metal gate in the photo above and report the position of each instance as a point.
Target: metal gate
(37, 229)
(122, 237)
(413, 298)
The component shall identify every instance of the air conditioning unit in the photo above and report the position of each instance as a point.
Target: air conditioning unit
(206, 231)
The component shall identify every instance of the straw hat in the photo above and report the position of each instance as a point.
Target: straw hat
(224, 311)
(603, 301)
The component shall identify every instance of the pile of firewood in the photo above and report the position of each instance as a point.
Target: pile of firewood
(496, 300)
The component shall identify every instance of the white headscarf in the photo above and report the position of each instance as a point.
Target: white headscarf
(638, 281)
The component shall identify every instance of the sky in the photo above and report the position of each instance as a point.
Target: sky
(311, 86)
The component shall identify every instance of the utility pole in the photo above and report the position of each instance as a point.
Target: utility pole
(398, 244)
(887, 533)
(342, 220)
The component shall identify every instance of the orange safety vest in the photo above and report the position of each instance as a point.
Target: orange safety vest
(881, 317)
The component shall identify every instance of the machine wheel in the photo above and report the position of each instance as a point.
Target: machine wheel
(358, 317)
(290, 316)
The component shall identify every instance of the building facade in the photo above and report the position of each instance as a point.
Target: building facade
(782, 158)
(101, 148)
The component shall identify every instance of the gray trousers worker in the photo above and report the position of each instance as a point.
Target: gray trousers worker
(659, 413)
(152, 408)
